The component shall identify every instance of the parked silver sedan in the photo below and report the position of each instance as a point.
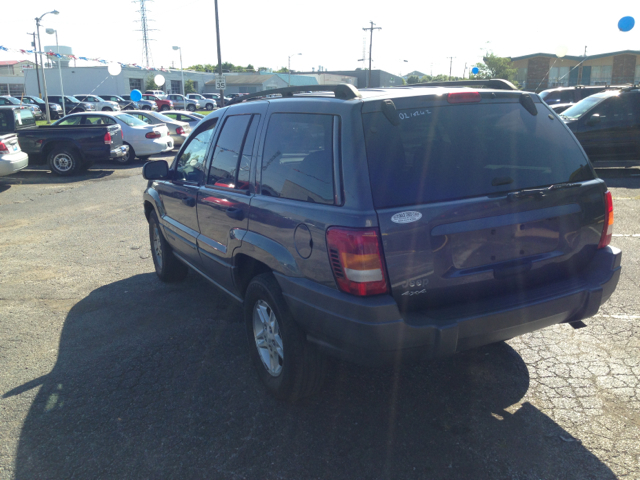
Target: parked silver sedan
(191, 118)
(179, 131)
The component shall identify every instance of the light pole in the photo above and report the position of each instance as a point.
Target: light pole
(44, 76)
(51, 31)
(289, 66)
(182, 72)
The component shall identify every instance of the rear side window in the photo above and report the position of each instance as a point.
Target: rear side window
(461, 151)
(297, 162)
(26, 117)
(551, 97)
(227, 152)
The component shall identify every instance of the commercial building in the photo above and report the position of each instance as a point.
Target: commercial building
(98, 80)
(258, 82)
(12, 76)
(539, 71)
(379, 78)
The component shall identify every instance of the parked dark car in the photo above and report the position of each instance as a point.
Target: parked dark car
(9, 100)
(607, 125)
(385, 224)
(124, 104)
(55, 110)
(72, 104)
(67, 149)
(561, 98)
(216, 97)
(143, 104)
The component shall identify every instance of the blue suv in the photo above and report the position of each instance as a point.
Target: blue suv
(384, 224)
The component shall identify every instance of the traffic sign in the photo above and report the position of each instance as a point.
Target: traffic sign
(221, 83)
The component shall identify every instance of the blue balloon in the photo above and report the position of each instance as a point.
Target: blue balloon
(136, 95)
(475, 70)
(626, 23)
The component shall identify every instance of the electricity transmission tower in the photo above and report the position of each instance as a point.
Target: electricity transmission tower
(147, 58)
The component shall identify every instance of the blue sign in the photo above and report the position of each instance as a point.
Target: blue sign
(475, 70)
(626, 23)
(136, 95)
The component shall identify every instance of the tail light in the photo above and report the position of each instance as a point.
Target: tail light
(154, 134)
(107, 138)
(179, 131)
(356, 260)
(464, 97)
(3, 148)
(607, 229)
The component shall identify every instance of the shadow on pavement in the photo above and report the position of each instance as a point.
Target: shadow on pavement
(154, 381)
(4, 188)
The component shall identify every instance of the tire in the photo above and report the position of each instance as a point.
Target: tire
(147, 107)
(144, 158)
(191, 107)
(128, 158)
(209, 106)
(290, 367)
(107, 109)
(164, 108)
(64, 161)
(168, 267)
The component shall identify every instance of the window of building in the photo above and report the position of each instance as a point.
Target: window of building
(522, 76)
(176, 86)
(4, 89)
(636, 77)
(601, 74)
(195, 86)
(16, 89)
(135, 84)
(297, 162)
(558, 76)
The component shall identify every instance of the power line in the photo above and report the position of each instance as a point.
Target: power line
(371, 28)
(144, 28)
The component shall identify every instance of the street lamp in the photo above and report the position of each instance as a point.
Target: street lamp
(51, 31)
(182, 71)
(289, 65)
(44, 76)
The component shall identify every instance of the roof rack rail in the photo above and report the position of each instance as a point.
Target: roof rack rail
(343, 91)
(496, 83)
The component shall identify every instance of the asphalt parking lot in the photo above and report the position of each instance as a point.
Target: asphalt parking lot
(105, 372)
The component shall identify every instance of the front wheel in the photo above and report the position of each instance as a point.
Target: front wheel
(290, 367)
(164, 108)
(191, 107)
(168, 267)
(64, 161)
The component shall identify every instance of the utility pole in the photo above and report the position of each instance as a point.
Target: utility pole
(450, 66)
(371, 28)
(219, 57)
(35, 50)
(465, 70)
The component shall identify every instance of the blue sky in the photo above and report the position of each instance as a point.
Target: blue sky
(328, 34)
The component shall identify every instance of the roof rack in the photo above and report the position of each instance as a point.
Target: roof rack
(343, 91)
(496, 83)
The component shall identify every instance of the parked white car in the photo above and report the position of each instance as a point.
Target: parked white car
(178, 130)
(12, 158)
(100, 103)
(203, 102)
(182, 103)
(144, 140)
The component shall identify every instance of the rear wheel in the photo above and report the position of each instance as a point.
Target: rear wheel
(107, 109)
(290, 367)
(209, 106)
(146, 107)
(168, 267)
(64, 161)
(128, 157)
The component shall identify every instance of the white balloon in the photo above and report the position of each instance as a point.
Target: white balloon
(114, 69)
(159, 79)
(561, 51)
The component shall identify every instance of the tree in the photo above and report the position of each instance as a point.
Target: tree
(150, 84)
(496, 67)
(283, 70)
(189, 87)
(413, 79)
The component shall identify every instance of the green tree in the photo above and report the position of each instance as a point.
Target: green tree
(150, 84)
(496, 67)
(189, 87)
(283, 70)
(413, 79)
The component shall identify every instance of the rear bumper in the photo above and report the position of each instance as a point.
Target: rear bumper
(14, 162)
(373, 330)
(118, 152)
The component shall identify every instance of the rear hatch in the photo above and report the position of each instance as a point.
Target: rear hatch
(479, 195)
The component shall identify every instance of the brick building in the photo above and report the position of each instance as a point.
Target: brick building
(540, 71)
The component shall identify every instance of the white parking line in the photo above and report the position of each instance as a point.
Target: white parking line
(621, 317)
(626, 234)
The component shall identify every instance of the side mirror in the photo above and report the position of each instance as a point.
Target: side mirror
(593, 120)
(156, 170)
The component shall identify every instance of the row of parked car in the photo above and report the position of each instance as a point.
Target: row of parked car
(77, 140)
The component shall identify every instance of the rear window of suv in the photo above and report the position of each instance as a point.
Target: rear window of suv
(449, 152)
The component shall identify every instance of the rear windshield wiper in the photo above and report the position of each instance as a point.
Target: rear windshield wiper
(539, 192)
